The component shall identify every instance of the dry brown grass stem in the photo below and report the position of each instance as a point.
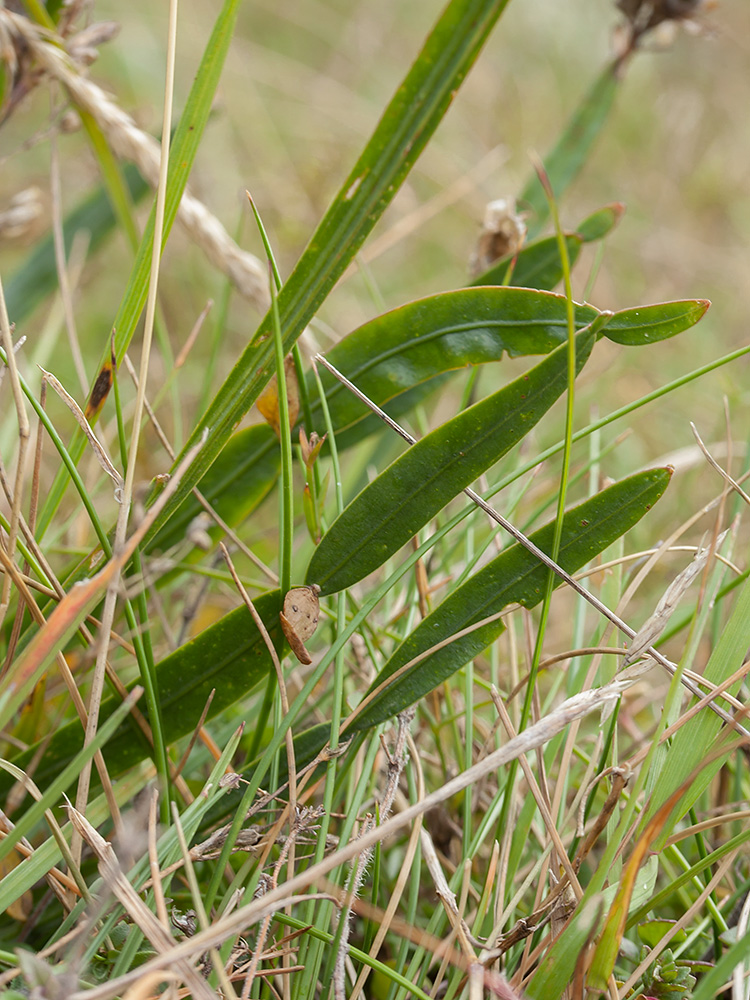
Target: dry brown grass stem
(397, 760)
(129, 142)
(540, 799)
(61, 263)
(200, 909)
(111, 594)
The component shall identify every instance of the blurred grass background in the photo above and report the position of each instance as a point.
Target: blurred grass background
(304, 85)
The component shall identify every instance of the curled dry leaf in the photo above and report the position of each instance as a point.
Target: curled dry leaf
(299, 619)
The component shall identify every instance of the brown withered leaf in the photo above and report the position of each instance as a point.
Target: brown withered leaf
(101, 387)
(299, 619)
(268, 401)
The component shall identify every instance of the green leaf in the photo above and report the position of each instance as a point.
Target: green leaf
(37, 276)
(390, 356)
(515, 576)
(230, 656)
(402, 133)
(64, 780)
(573, 147)
(652, 931)
(650, 324)
(471, 326)
(600, 223)
(537, 265)
(390, 510)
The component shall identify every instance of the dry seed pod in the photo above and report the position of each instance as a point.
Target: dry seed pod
(503, 233)
(299, 619)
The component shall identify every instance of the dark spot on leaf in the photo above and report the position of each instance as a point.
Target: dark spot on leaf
(100, 391)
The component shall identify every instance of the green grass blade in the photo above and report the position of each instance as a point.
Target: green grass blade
(187, 139)
(693, 742)
(63, 781)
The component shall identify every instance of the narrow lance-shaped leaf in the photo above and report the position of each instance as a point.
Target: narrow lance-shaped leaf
(651, 324)
(537, 265)
(402, 133)
(391, 509)
(513, 577)
(411, 344)
(600, 223)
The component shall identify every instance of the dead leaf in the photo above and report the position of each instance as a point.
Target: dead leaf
(299, 619)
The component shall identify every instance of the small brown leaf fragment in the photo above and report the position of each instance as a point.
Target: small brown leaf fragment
(101, 388)
(268, 401)
(299, 619)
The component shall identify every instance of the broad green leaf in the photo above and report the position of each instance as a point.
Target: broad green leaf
(515, 576)
(402, 133)
(411, 344)
(391, 509)
(187, 139)
(230, 656)
(650, 324)
(573, 147)
(600, 223)
(652, 931)
(37, 277)
(691, 744)
(537, 264)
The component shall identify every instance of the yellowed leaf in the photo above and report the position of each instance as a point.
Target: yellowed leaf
(268, 401)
